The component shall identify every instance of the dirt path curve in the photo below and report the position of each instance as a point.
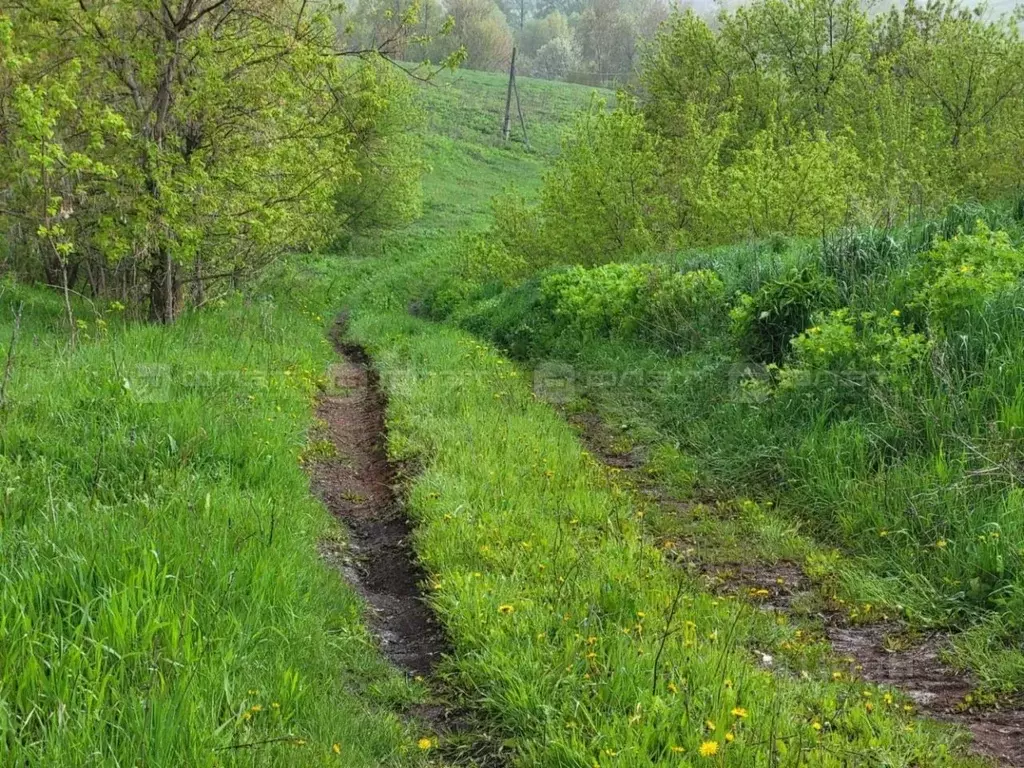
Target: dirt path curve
(917, 670)
(356, 484)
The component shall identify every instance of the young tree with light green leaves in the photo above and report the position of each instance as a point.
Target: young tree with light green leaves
(159, 143)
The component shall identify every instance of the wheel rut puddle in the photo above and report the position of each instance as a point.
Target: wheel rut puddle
(878, 653)
(357, 484)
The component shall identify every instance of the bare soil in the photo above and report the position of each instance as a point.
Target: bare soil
(881, 653)
(357, 484)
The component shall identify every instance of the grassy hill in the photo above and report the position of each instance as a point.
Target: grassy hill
(468, 160)
(163, 602)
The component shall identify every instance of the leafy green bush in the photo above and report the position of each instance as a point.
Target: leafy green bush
(763, 323)
(603, 301)
(963, 276)
(846, 353)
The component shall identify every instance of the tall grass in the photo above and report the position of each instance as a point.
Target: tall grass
(161, 598)
(568, 625)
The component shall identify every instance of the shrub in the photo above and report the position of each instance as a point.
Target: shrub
(763, 323)
(963, 276)
(846, 353)
(605, 300)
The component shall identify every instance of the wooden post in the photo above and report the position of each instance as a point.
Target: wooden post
(522, 120)
(506, 127)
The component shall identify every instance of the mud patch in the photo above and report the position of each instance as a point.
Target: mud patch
(771, 586)
(877, 654)
(356, 483)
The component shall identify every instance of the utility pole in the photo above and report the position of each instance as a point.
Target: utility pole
(513, 89)
(506, 127)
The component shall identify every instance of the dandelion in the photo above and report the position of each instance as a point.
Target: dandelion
(739, 712)
(941, 544)
(678, 750)
(506, 609)
(424, 743)
(816, 725)
(730, 737)
(895, 313)
(710, 724)
(336, 748)
(672, 688)
(709, 749)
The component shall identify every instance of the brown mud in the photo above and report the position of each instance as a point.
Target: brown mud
(881, 653)
(357, 484)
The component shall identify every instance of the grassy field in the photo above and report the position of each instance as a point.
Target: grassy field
(163, 603)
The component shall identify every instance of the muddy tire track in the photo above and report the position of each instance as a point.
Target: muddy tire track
(877, 653)
(356, 482)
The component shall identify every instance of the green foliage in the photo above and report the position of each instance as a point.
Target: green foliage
(810, 114)
(763, 323)
(799, 185)
(605, 300)
(962, 277)
(165, 140)
(601, 199)
(849, 356)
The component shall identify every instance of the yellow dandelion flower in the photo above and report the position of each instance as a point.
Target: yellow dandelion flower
(336, 749)
(730, 737)
(424, 743)
(678, 750)
(739, 712)
(710, 724)
(506, 609)
(709, 749)
(672, 688)
(816, 725)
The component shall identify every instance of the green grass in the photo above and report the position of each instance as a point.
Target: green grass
(586, 647)
(162, 602)
(912, 481)
(469, 161)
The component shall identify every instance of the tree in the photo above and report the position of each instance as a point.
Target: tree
(479, 29)
(178, 138)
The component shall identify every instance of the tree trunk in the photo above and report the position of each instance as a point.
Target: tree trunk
(165, 288)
